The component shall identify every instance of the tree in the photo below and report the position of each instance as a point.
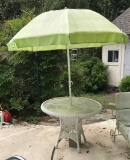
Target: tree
(108, 8)
(61, 4)
(14, 65)
(100, 6)
(117, 7)
(10, 9)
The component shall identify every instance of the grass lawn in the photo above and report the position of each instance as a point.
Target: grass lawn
(106, 99)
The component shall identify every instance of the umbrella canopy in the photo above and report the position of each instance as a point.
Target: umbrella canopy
(79, 28)
(66, 29)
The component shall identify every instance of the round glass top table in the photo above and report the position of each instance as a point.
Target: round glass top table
(71, 115)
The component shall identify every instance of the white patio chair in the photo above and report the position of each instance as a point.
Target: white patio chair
(122, 116)
(1, 118)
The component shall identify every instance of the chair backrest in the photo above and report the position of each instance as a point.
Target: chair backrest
(123, 107)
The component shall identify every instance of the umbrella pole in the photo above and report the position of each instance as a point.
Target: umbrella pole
(69, 76)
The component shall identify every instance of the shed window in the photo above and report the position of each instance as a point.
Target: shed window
(113, 56)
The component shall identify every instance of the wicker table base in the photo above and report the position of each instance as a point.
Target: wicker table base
(71, 115)
(71, 128)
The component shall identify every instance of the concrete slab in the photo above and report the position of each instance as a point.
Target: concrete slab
(36, 142)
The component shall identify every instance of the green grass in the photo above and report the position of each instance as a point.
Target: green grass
(107, 100)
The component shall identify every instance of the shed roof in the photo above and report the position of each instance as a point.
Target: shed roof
(123, 21)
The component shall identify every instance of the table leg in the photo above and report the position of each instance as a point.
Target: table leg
(71, 128)
(83, 135)
(78, 133)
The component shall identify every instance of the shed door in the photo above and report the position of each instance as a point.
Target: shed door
(127, 61)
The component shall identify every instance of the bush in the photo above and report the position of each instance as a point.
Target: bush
(77, 78)
(95, 73)
(125, 84)
(88, 74)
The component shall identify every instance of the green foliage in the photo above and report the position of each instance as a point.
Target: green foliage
(7, 81)
(13, 26)
(108, 8)
(106, 100)
(88, 74)
(77, 78)
(95, 73)
(51, 66)
(116, 8)
(31, 119)
(8, 29)
(10, 9)
(125, 84)
(61, 4)
(16, 103)
(20, 70)
(29, 4)
(17, 70)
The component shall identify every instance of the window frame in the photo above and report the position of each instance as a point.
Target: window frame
(114, 56)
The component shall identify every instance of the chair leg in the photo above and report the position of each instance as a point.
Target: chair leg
(78, 143)
(113, 134)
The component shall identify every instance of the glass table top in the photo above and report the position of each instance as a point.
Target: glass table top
(81, 107)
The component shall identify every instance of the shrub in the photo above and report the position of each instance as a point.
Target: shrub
(7, 83)
(95, 72)
(125, 84)
(31, 119)
(77, 78)
(88, 74)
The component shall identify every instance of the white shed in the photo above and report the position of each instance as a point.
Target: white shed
(117, 57)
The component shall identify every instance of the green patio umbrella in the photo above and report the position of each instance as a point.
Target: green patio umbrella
(66, 29)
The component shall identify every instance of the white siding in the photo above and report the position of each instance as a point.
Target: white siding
(127, 61)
